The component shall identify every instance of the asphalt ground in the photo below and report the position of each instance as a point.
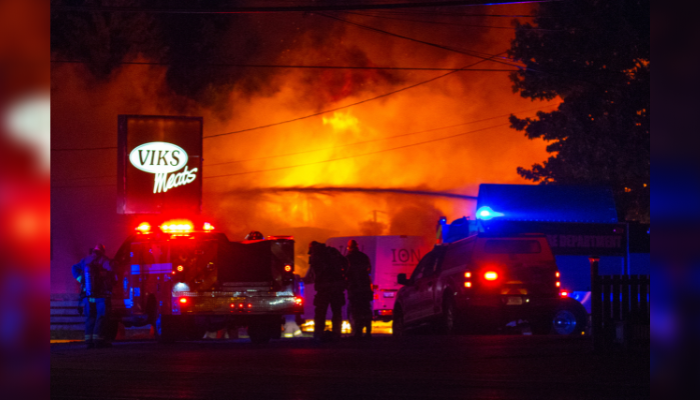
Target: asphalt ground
(415, 367)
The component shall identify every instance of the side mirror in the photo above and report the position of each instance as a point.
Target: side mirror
(401, 279)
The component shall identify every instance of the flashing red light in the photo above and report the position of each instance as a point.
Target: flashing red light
(173, 272)
(557, 274)
(386, 312)
(208, 227)
(558, 284)
(177, 226)
(467, 274)
(144, 227)
(183, 300)
(233, 305)
(564, 294)
(298, 301)
(180, 268)
(467, 284)
(241, 305)
(250, 305)
(491, 276)
(288, 268)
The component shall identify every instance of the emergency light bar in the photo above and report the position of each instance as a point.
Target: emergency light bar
(145, 227)
(177, 226)
(486, 213)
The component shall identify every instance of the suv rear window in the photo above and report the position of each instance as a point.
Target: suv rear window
(512, 247)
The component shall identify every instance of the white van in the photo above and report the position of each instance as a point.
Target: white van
(390, 256)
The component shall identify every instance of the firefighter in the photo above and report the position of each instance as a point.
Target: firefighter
(254, 235)
(96, 277)
(327, 273)
(359, 290)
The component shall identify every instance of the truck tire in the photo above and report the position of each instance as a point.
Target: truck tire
(111, 329)
(164, 329)
(259, 334)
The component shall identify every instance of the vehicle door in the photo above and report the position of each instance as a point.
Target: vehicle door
(427, 287)
(411, 295)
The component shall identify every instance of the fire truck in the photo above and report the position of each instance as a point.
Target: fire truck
(185, 278)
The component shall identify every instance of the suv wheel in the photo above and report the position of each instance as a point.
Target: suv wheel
(569, 318)
(398, 329)
(447, 321)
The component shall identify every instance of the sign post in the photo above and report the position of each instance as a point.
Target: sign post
(596, 305)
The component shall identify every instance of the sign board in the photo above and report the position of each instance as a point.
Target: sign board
(567, 238)
(160, 164)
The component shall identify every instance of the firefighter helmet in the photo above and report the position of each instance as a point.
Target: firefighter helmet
(254, 235)
(99, 248)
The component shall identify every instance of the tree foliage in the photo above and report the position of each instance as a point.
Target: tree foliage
(594, 56)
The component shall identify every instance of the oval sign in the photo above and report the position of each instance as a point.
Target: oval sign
(158, 157)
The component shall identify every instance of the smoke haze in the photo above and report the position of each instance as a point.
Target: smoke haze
(389, 143)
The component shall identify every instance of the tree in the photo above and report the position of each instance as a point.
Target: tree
(594, 56)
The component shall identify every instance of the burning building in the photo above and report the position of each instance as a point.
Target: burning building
(316, 125)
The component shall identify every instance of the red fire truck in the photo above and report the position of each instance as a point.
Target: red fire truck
(185, 279)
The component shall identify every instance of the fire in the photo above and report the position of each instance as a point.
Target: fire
(342, 122)
(448, 135)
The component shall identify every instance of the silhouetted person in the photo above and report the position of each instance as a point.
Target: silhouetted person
(327, 273)
(359, 290)
(96, 278)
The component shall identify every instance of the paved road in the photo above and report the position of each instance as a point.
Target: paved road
(418, 367)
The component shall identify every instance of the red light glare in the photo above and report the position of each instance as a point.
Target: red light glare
(180, 268)
(467, 284)
(298, 301)
(233, 306)
(177, 226)
(250, 305)
(288, 268)
(208, 227)
(557, 274)
(183, 300)
(144, 227)
(564, 294)
(467, 274)
(558, 284)
(490, 276)
(241, 305)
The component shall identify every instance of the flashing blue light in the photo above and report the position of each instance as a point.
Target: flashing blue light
(486, 213)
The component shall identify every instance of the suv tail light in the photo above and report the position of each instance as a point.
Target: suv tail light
(467, 279)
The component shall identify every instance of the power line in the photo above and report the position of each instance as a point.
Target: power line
(83, 178)
(282, 9)
(375, 140)
(439, 46)
(349, 105)
(293, 66)
(352, 189)
(333, 147)
(86, 148)
(449, 14)
(447, 23)
(355, 156)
